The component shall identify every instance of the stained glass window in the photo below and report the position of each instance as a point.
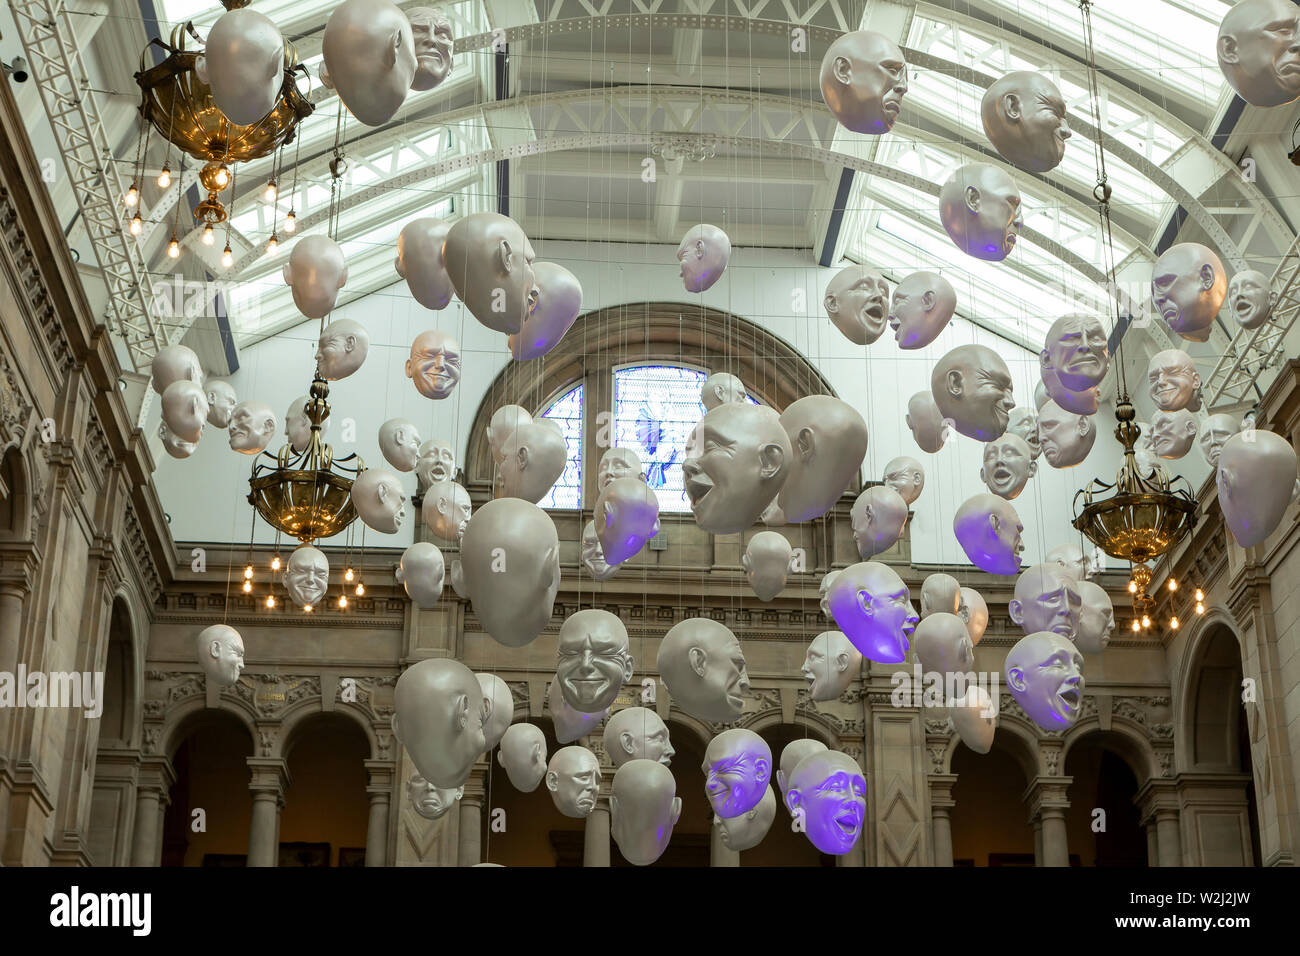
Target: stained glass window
(566, 411)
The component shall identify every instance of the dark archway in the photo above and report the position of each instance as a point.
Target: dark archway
(990, 822)
(211, 765)
(1103, 781)
(326, 807)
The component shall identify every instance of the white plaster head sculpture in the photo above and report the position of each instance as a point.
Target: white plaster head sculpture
(1173, 433)
(421, 572)
(823, 591)
(1076, 351)
(594, 660)
(877, 517)
(435, 461)
(434, 365)
(429, 801)
(1144, 452)
(556, 308)
(1174, 382)
(626, 517)
(829, 790)
(221, 402)
(1257, 471)
(573, 777)
(509, 569)
(172, 364)
(871, 605)
(379, 499)
(243, 62)
(504, 423)
(252, 426)
(906, 476)
(219, 650)
(943, 645)
(767, 563)
(746, 831)
(1250, 298)
(703, 253)
(702, 665)
(643, 809)
(990, 532)
(1044, 673)
(342, 348)
(174, 446)
(1085, 402)
(791, 754)
(929, 427)
(940, 592)
(637, 733)
(446, 510)
(297, 424)
(617, 463)
(1065, 437)
(737, 459)
(490, 262)
(1096, 618)
(438, 714)
(431, 34)
(1071, 557)
(972, 387)
(306, 575)
(920, 309)
(737, 769)
(370, 55)
(498, 708)
(1023, 423)
(857, 302)
(593, 559)
(830, 664)
(1258, 51)
(975, 719)
(976, 614)
(316, 272)
(1024, 118)
(722, 388)
(185, 409)
(828, 439)
(1188, 285)
(1008, 466)
(1216, 430)
(399, 441)
(533, 459)
(863, 81)
(979, 207)
(1040, 394)
(523, 755)
(419, 261)
(1046, 599)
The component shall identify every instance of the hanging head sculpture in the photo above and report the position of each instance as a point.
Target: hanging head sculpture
(979, 207)
(1023, 423)
(316, 272)
(434, 365)
(1044, 673)
(1259, 51)
(1008, 466)
(1076, 351)
(1046, 599)
(399, 441)
(1174, 382)
(971, 386)
(857, 302)
(877, 517)
(490, 262)
(767, 563)
(829, 791)
(920, 309)
(1250, 298)
(1065, 437)
(342, 347)
(252, 426)
(221, 402)
(871, 605)
(906, 476)
(722, 388)
(438, 715)
(989, 531)
(220, 652)
(737, 770)
(702, 665)
(929, 427)
(369, 58)
(1257, 472)
(830, 664)
(703, 253)
(419, 261)
(558, 302)
(828, 439)
(643, 809)
(863, 81)
(636, 733)
(595, 660)
(1188, 285)
(626, 516)
(431, 34)
(243, 63)
(737, 459)
(1024, 118)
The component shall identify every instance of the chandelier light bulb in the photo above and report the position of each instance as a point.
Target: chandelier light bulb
(1136, 626)
(271, 244)
(361, 589)
(165, 178)
(248, 586)
(306, 608)
(271, 191)
(208, 235)
(275, 563)
(270, 600)
(1146, 621)
(347, 575)
(1200, 608)
(132, 196)
(173, 248)
(137, 225)
(227, 258)
(1173, 622)
(223, 178)
(1173, 584)
(289, 224)
(343, 600)
(248, 571)
(1199, 596)
(1132, 587)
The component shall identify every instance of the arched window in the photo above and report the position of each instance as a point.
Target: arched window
(566, 411)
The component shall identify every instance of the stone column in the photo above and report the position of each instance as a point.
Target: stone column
(595, 838)
(1153, 844)
(469, 848)
(1169, 840)
(381, 793)
(154, 783)
(719, 855)
(14, 586)
(270, 780)
(941, 804)
(1047, 805)
(1158, 808)
(1038, 840)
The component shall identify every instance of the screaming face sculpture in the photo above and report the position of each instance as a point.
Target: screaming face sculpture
(1256, 475)
(746, 831)
(1044, 674)
(1217, 430)
(174, 446)
(436, 461)
(593, 559)
(1024, 118)
(703, 667)
(1008, 466)
(1096, 619)
(643, 810)
(976, 614)
(434, 365)
(929, 427)
(1258, 51)
(830, 665)
(870, 603)
(1023, 423)
(922, 305)
(243, 62)
(446, 510)
(829, 439)
(974, 717)
(1174, 381)
(1172, 433)
(523, 754)
(737, 769)
(419, 261)
(316, 271)
(252, 425)
(220, 652)
(172, 364)
(1250, 298)
(1188, 286)
(306, 575)
(438, 714)
(379, 499)
(863, 80)
(490, 262)
(828, 789)
(370, 57)
(766, 562)
(342, 348)
(737, 459)
(943, 645)
(703, 253)
(556, 308)
(626, 517)
(573, 777)
(221, 402)
(878, 516)
(498, 708)
(857, 301)
(1076, 352)
(421, 572)
(793, 752)
(185, 409)
(1066, 438)
(940, 592)
(595, 660)
(979, 207)
(722, 388)
(400, 443)
(906, 476)
(972, 387)
(1046, 599)
(431, 34)
(823, 591)
(429, 801)
(637, 733)
(989, 531)
(533, 458)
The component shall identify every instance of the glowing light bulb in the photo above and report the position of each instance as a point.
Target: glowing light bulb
(289, 224)
(1200, 608)
(132, 196)
(1199, 596)
(173, 248)
(271, 191)
(343, 600)
(208, 235)
(306, 608)
(223, 177)
(227, 258)
(271, 244)
(248, 586)
(1136, 626)
(347, 575)
(248, 571)
(1146, 621)
(164, 178)
(1173, 623)
(270, 600)
(275, 563)
(137, 225)
(1173, 584)
(361, 589)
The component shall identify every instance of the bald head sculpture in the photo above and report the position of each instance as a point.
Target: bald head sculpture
(971, 386)
(1259, 53)
(979, 207)
(490, 262)
(863, 80)
(828, 439)
(1024, 117)
(737, 459)
(1188, 286)
(703, 667)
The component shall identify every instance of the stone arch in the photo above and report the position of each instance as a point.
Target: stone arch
(298, 712)
(123, 669)
(189, 715)
(700, 732)
(1015, 735)
(1205, 634)
(816, 724)
(15, 494)
(1125, 738)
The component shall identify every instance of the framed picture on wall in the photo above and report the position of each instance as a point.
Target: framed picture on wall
(352, 856)
(304, 854)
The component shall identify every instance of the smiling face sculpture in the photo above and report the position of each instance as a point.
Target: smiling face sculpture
(1174, 382)
(1023, 423)
(829, 791)
(431, 34)
(703, 667)
(857, 301)
(737, 459)
(871, 605)
(989, 531)
(906, 476)
(830, 665)
(1024, 117)
(1076, 351)
(1044, 673)
(703, 254)
(877, 516)
(737, 770)
(928, 426)
(370, 57)
(920, 309)
(1250, 298)
(1066, 438)
(558, 302)
(595, 660)
(1008, 466)
(1188, 285)
(434, 365)
(1046, 599)
(971, 386)
(243, 62)
(979, 207)
(419, 261)
(1259, 51)
(863, 81)
(306, 575)
(315, 272)
(490, 262)
(829, 440)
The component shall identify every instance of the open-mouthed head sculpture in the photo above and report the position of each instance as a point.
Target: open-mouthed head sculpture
(316, 272)
(173, 445)
(989, 531)
(379, 499)
(555, 309)
(306, 575)
(504, 423)
(421, 572)
(1173, 433)
(399, 441)
(906, 476)
(703, 667)
(243, 63)
(974, 717)
(185, 409)
(871, 605)
(929, 427)
(221, 401)
(626, 517)
(1008, 466)
(617, 463)
(830, 792)
(419, 261)
(737, 459)
(434, 365)
(438, 714)
(172, 364)
(972, 387)
(573, 777)
(920, 309)
(863, 81)
(703, 255)
(252, 426)
(637, 733)
(1174, 382)
(828, 439)
(791, 754)
(523, 755)
(570, 724)
(1257, 472)
(1044, 673)
(877, 517)
(594, 660)
(857, 302)
(593, 559)
(975, 612)
(509, 569)
(940, 592)
(1071, 556)
(446, 510)
(498, 708)
(830, 664)
(1024, 118)
(1250, 298)
(1259, 51)
(429, 801)
(1096, 618)
(490, 262)
(1188, 285)
(435, 461)
(1214, 433)
(370, 56)
(737, 769)
(979, 207)
(823, 591)
(342, 348)
(1065, 437)
(1023, 423)
(533, 458)
(767, 563)
(643, 809)
(1046, 599)
(1076, 351)
(219, 650)
(746, 831)
(722, 388)
(431, 34)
